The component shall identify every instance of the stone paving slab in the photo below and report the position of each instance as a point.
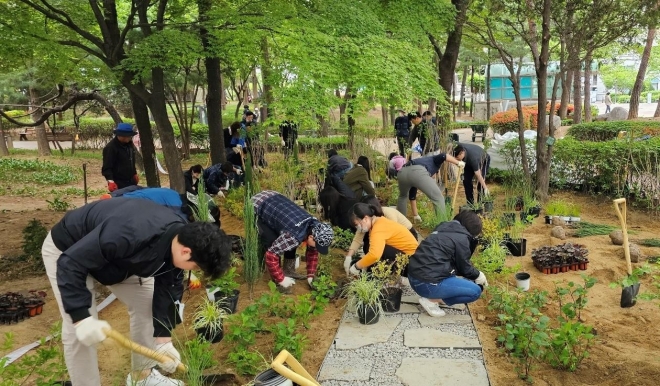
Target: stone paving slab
(424, 337)
(442, 372)
(338, 369)
(429, 321)
(352, 334)
(411, 299)
(405, 309)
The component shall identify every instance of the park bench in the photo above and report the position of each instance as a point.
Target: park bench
(59, 137)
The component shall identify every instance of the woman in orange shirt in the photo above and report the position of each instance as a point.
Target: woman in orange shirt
(387, 238)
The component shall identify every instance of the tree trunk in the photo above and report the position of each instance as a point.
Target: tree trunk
(587, 86)
(433, 104)
(392, 113)
(267, 78)
(543, 162)
(488, 88)
(4, 151)
(566, 85)
(40, 130)
(541, 64)
(447, 65)
(641, 74)
(383, 112)
(148, 149)
(472, 90)
(323, 124)
(255, 84)
(461, 100)
(577, 95)
(158, 108)
(215, 90)
(656, 114)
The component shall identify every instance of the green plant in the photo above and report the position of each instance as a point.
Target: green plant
(324, 289)
(303, 309)
(234, 202)
(286, 338)
(517, 230)
(198, 356)
(209, 317)
(556, 208)
(491, 231)
(586, 229)
(226, 284)
(363, 293)
(58, 205)
(637, 274)
(390, 273)
(37, 172)
(34, 235)
(42, 367)
(573, 210)
(605, 131)
(343, 238)
(491, 259)
(246, 362)
(650, 242)
(253, 263)
(200, 204)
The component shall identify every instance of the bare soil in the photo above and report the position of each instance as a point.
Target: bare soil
(627, 340)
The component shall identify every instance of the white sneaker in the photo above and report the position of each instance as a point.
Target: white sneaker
(431, 308)
(154, 379)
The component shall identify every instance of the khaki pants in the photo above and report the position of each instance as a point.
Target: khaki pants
(81, 361)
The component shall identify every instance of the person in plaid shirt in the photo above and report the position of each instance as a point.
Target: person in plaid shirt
(283, 226)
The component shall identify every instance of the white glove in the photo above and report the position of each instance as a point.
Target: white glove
(220, 194)
(481, 280)
(347, 263)
(283, 143)
(461, 164)
(486, 192)
(239, 171)
(169, 350)
(417, 218)
(309, 281)
(287, 282)
(354, 271)
(237, 149)
(89, 331)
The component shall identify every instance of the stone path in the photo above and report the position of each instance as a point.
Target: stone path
(406, 348)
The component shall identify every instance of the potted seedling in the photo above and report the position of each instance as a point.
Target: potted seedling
(532, 208)
(224, 291)
(509, 215)
(492, 258)
(574, 213)
(364, 296)
(517, 244)
(208, 321)
(488, 203)
(389, 273)
(475, 207)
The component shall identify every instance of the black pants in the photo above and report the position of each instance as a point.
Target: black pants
(468, 176)
(402, 141)
(23, 137)
(267, 237)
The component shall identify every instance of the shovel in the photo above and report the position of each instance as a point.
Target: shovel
(209, 380)
(453, 199)
(629, 293)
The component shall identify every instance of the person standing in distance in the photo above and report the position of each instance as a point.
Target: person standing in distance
(402, 131)
(119, 159)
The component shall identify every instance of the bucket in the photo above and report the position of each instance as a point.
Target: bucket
(522, 280)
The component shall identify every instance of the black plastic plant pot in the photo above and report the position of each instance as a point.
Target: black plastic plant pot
(206, 334)
(548, 220)
(509, 218)
(368, 314)
(535, 211)
(488, 206)
(391, 300)
(517, 247)
(227, 302)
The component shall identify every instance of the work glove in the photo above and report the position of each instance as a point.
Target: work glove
(461, 164)
(354, 271)
(287, 282)
(169, 350)
(283, 143)
(195, 283)
(237, 149)
(310, 280)
(136, 179)
(417, 218)
(239, 171)
(481, 280)
(220, 194)
(486, 192)
(112, 186)
(347, 263)
(90, 331)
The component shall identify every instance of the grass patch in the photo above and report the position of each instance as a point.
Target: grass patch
(14, 171)
(586, 229)
(650, 242)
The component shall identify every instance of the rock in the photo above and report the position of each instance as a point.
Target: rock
(618, 114)
(556, 220)
(601, 117)
(556, 121)
(616, 237)
(558, 232)
(636, 254)
(481, 317)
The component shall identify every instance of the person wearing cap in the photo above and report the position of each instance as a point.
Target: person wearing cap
(443, 256)
(139, 250)
(402, 131)
(283, 226)
(119, 159)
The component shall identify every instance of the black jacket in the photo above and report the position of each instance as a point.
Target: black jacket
(402, 126)
(474, 156)
(444, 253)
(119, 163)
(190, 186)
(112, 240)
(289, 132)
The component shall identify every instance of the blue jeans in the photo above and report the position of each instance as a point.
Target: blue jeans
(452, 290)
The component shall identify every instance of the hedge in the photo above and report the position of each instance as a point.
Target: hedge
(606, 131)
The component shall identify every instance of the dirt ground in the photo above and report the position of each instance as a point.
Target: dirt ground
(627, 340)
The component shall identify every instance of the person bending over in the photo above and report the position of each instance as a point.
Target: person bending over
(477, 163)
(337, 207)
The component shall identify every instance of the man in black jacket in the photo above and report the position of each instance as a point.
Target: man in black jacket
(402, 131)
(119, 159)
(289, 136)
(139, 251)
(443, 256)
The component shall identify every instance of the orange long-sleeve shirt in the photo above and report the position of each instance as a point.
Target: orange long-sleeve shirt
(387, 232)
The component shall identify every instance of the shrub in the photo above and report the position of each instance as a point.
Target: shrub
(34, 235)
(504, 121)
(93, 133)
(605, 131)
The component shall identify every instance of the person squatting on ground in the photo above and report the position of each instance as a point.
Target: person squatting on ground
(361, 239)
(477, 163)
(234, 144)
(139, 251)
(402, 131)
(119, 159)
(283, 226)
(357, 179)
(338, 165)
(337, 207)
(395, 163)
(218, 177)
(441, 257)
(386, 238)
(419, 174)
(191, 178)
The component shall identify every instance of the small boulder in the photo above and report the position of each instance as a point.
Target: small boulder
(556, 121)
(601, 118)
(617, 237)
(618, 114)
(556, 220)
(558, 232)
(636, 254)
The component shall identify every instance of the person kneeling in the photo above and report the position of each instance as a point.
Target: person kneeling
(443, 256)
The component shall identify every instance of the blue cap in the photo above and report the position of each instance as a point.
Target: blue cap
(124, 129)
